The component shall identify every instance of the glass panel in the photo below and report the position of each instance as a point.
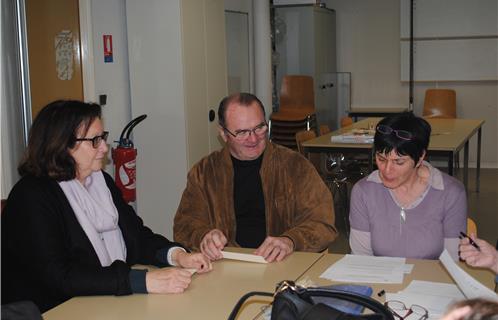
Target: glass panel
(237, 40)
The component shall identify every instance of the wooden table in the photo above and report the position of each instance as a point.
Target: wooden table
(210, 296)
(428, 270)
(448, 137)
(374, 112)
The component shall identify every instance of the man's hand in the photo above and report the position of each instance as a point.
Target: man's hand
(457, 314)
(212, 244)
(167, 280)
(196, 261)
(275, 248)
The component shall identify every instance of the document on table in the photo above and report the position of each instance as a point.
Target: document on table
(470, 287)
(434, 296)
(243, 257)
(366, 269)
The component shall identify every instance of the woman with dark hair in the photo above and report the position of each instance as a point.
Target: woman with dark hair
(406, 208)
(66, 230)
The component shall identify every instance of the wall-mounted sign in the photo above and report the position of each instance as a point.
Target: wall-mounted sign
(107, 48)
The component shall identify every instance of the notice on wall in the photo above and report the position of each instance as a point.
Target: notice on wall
(108, 56)
(64, 55)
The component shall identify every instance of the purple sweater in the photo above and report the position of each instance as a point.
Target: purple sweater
(438, 216)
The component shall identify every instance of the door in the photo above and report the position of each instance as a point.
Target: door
(54, 51)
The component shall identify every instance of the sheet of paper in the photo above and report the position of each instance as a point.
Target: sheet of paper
(408, 268)
(243, 257)
(366, 269)
(470, 287)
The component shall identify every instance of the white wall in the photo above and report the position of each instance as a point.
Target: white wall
(112, 79)
(156, 81)
(368, 46)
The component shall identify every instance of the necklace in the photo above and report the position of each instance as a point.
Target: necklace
(402, 214)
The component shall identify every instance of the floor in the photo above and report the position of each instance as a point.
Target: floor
(483, 209)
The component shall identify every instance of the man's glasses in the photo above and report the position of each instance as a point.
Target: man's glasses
(240, 135)
(401, 312)
(402, 134)
(96, 140)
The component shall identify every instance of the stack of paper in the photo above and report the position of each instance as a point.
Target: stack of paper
(433, 296)
(354, 136)
(366, 269)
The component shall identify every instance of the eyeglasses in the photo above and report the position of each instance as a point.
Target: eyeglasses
(402, 134)
(398, 308)
(96, 140)
(258, 130)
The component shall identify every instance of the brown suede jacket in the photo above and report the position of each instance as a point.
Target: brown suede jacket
(297, 202)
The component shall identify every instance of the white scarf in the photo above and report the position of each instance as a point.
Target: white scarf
(93, 206)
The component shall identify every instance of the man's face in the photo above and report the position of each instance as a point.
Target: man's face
(239, 118)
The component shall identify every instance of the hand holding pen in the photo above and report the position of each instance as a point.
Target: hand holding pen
(478, 253)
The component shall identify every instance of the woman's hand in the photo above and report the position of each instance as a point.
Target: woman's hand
(485, 257)
(196, 261)
(167, 280)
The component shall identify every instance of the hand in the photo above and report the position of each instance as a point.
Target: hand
(275, 248)
(167, 280)
(486, 257)
(457, 314)
(196, 261)
(212, 244)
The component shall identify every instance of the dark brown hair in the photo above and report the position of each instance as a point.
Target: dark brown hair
(482, 309)
(51, 136)
(242, 98)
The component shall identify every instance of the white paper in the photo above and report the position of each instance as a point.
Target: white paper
(434, 296)
(408, 268)
(366, 269)
(243, 257)
(470, 287)
(352, 138)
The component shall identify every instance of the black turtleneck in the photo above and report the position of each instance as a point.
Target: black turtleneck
(249, 202)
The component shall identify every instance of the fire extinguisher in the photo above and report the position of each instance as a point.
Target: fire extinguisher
(124, 157)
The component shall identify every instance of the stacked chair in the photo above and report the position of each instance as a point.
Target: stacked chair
(296, 111)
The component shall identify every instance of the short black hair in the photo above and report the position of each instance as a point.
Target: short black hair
(407, 121)
(51, 136)
(243, 99)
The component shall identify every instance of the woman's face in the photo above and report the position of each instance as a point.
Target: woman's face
(395, 170)
(89, 159)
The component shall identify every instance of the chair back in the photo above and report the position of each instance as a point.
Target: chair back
(439, 103)
(471, 227)
(324, 129)
(297, 94)
(346, 121)
(4, 202)
(303, 136)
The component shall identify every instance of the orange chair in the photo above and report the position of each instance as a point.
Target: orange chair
(297, 99)
(439, 103)
(471, 227)
(346, 121)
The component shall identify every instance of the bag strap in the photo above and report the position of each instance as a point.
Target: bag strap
(243, 299)
(359, 299)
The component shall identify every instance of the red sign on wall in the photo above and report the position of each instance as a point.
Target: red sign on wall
(107, 48)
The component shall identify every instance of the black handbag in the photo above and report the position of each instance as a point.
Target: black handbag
(292, 302)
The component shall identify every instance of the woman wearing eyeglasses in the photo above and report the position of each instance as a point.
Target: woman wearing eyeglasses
(66, 230)
(406, 208)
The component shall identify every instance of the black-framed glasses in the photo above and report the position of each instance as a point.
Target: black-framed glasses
(96, 140)
(402, 134)
(401, 311)
(243, 134)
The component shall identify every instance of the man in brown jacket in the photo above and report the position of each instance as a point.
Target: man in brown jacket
(253, 193)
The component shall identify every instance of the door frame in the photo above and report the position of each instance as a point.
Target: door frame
(86, 44)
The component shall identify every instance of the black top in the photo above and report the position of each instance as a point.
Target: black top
(249, 203)
(47, 257)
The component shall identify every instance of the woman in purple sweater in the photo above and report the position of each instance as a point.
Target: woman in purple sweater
(406, 208)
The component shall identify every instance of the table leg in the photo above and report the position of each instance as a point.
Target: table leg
(466, 165)
(450, 163)
(370, 160)
(478, 169)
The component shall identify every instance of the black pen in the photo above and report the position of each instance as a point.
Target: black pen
(472, 242)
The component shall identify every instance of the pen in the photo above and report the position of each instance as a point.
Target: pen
(381, 293)
(464, 235)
